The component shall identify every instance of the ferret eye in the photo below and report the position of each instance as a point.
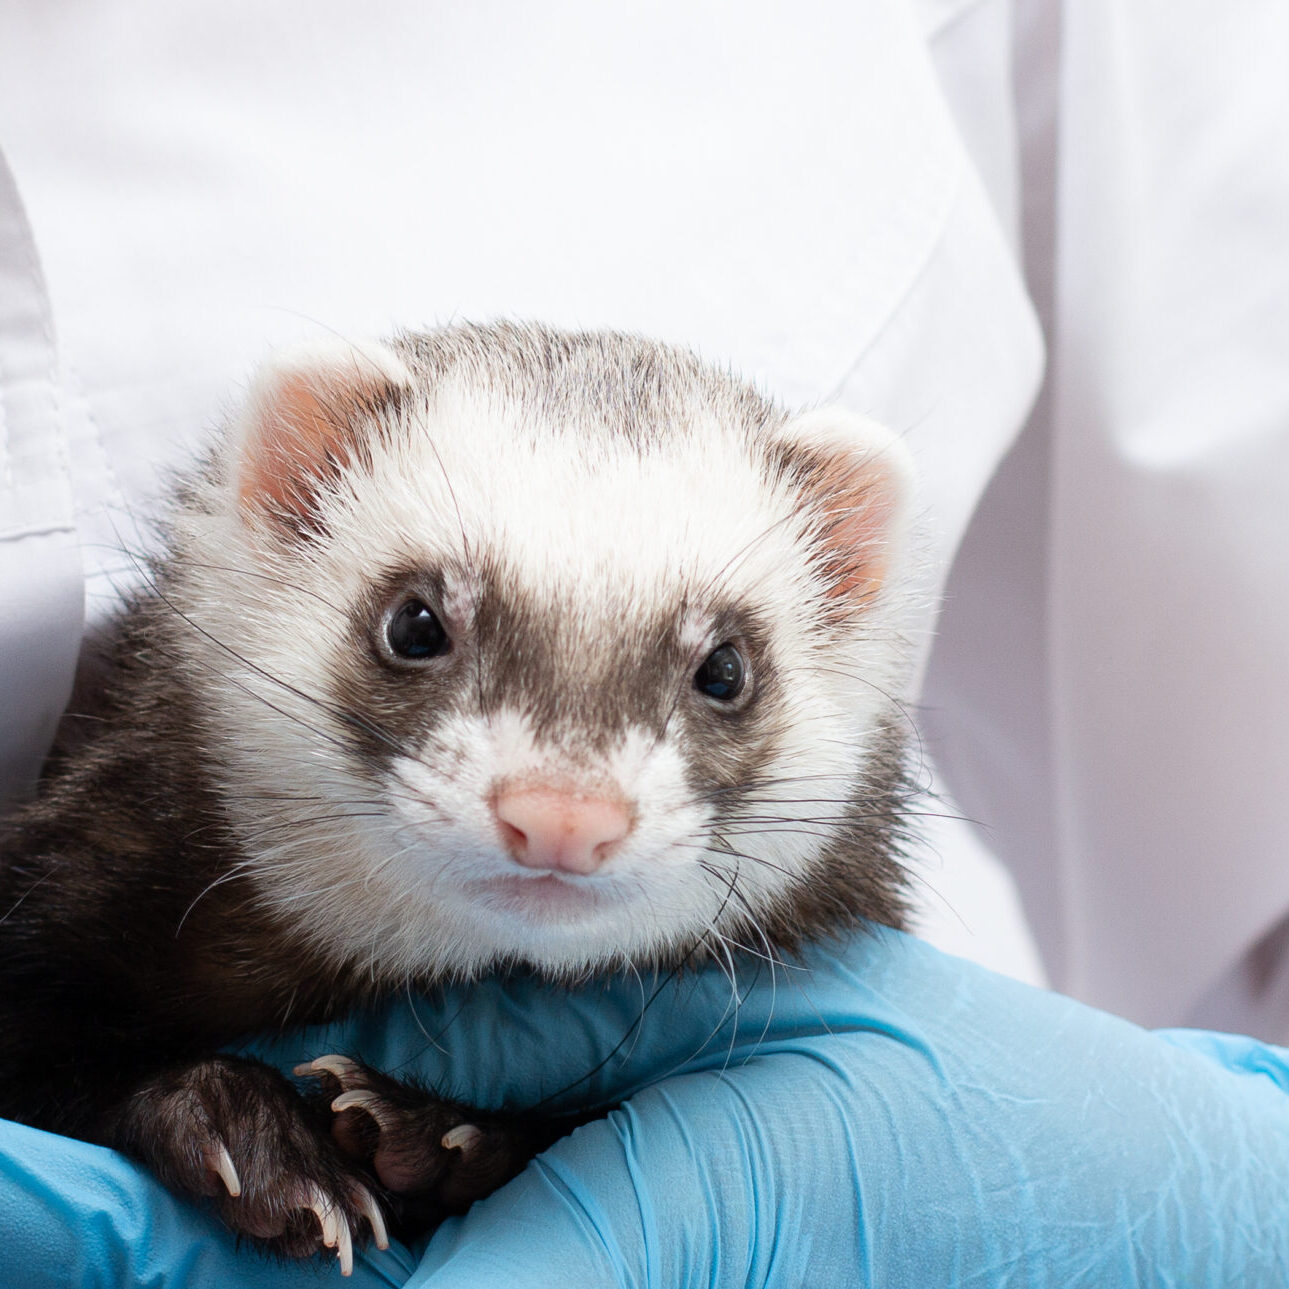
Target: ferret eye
(722, 675)
(415, 632)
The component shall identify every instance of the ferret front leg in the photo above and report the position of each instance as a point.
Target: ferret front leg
(238, 1131)
(433, 1156)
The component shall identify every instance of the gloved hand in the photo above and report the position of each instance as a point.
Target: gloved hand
(76, 1216)
(882, 1115)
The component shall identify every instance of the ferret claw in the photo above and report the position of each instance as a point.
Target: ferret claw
(335, 1228)
(326, 1211)
(345, 1247)
(371, 1211)
(341, 1067)
(362, 1099)
(461, 1138)
(220, 1162)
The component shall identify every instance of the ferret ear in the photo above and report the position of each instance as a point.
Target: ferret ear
(855, 479)
(302, 423)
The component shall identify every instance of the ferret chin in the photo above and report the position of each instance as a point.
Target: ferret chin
(492, 645)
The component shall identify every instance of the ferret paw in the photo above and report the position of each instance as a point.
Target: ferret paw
(237, 1131)
(434, 1156)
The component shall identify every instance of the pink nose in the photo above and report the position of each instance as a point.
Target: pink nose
(547, 828)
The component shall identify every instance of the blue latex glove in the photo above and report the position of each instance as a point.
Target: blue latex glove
(887, 1117)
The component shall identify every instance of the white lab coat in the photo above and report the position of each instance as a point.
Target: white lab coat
(842, 201)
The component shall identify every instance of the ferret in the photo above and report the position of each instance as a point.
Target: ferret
(488, 647)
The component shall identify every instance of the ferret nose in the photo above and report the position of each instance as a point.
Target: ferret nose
(546, 828)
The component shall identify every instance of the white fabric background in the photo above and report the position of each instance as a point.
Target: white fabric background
(842, 201)
(1110, 679)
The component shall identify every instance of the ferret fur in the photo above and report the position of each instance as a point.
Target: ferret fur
(274, 823)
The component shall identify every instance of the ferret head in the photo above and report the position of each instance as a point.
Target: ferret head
(515, 645)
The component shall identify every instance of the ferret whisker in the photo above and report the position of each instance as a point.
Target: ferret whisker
(726, 572)
(764, 820)
(790, 828)
(420, 1025)
(753, 785)
(854, 795)
(385, 861)
(271, 578)
(275, 796)
(351, 718)
(658, 991)
(250, 692)
(239, 870)
(767, 956)
(725, 965)
(639, 1029)
(40, 881)
(850, 673)
(802, 972)
(726, 849)
(289, 1009)
(735, 1004)
(774, 978)
(294, 823)
(727, 943)
(368, 727)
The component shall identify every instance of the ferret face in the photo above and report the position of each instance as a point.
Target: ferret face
(521, 646)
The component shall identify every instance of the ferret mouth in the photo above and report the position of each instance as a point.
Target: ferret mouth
(543, 896)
